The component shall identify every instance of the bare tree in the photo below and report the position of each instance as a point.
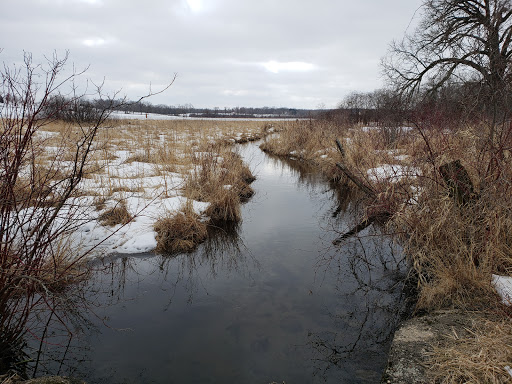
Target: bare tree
(458, 40)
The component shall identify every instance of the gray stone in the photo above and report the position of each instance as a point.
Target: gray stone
(15, 379)
(415, 339)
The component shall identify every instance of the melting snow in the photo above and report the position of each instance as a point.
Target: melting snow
(503, 285)
(391, 172)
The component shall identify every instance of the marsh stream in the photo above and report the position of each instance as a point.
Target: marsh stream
(272, 300)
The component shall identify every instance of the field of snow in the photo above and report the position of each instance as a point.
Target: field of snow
(156, 116)
(503, 285)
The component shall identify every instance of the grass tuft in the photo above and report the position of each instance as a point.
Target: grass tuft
(116, 215)
(182, 231)
(225, 207)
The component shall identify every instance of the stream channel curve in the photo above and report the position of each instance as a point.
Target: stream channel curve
(274, 301)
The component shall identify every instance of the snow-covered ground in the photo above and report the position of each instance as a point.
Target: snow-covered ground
(503, 285)
(391, 173)
(156, 116)
(147, 192)
(127, 169)
(138, 236)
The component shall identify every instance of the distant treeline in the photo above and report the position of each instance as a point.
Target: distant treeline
(188, 109)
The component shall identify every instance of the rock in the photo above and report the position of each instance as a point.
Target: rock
(15, 379)
(413, 342)
(54, 380)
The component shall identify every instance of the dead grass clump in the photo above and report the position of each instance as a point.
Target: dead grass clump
(100, 203)
(140, 158)
(121, 189)
(246, 174)
(62, 270)
(208, 177)
(180, 232)
(245, 191)
(117, 215)
(225, 208)
(478, 356)
(221, 178)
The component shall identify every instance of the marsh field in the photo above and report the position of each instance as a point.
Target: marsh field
(223, 251)
(193, 255)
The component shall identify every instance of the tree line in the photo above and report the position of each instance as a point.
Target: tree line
(190, 110)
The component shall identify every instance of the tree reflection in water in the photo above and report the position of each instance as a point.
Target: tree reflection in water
(53, 349)
(370, 279)
(369, 271)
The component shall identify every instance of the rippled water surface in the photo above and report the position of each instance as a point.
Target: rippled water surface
(273, 302)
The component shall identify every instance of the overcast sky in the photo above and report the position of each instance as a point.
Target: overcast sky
(226, 53)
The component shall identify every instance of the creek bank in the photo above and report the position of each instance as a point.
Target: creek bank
(414, 341)
(6, 379)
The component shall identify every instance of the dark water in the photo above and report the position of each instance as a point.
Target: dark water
(274, 302)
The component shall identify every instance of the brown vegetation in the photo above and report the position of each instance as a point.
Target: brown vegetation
(116, 215)
(181, 231)
(478, 354)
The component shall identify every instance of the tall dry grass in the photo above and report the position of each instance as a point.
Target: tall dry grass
(478, 354)
(221, 178)
(453, 249)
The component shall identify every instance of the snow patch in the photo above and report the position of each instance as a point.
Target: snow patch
(503, 285)
(391, 172)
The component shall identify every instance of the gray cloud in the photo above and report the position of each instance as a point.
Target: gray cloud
(295, 53)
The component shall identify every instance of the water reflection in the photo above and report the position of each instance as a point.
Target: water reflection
(222, 251)
(368, 272)
(369, 281)
(269, 300)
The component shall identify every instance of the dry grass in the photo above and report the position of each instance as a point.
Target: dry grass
(179, 232)
(221, 178)
(62, 269)
(117, 215)
(455, 249)
(478, 355)
(197, 150)
(452, 249)
(225, 207)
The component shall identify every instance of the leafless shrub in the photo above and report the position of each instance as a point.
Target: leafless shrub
(39, 204)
